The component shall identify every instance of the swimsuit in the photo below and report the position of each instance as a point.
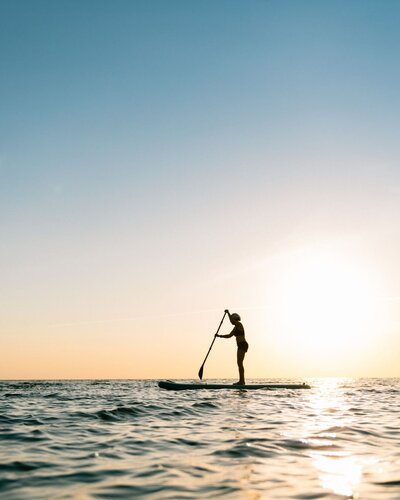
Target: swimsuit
(242, 345)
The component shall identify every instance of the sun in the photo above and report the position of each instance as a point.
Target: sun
(326, 308)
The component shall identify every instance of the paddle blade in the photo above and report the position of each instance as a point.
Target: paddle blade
(201, 372)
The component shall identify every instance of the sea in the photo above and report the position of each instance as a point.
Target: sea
(110, 439)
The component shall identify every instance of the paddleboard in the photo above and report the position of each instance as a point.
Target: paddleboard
(178, 386)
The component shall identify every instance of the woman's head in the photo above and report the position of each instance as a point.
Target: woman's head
(234, 317)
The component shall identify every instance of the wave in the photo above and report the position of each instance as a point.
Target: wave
(119, 413)
(389, 483)
(22, 466)
(246, 449)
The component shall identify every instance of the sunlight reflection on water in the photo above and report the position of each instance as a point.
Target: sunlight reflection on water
(338, 471)
(341, 475)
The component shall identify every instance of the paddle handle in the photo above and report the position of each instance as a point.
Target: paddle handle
(212, 343)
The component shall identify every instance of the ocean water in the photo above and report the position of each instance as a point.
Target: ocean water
(130, 439)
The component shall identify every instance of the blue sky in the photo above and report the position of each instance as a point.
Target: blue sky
(149, 146)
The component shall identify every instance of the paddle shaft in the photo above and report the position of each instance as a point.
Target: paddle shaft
(212, 343)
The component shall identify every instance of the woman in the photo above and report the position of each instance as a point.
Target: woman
(242, 345)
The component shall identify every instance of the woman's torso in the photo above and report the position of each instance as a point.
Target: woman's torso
(238, 332)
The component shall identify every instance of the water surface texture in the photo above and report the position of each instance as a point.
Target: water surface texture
(130, 439)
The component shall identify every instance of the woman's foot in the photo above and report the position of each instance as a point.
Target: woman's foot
(239, 383)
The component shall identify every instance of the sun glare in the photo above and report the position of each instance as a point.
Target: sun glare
(327, 307)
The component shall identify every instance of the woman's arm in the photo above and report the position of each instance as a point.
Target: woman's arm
(229, 335)
(225, 336)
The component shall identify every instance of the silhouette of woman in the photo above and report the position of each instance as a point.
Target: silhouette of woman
(242, 345)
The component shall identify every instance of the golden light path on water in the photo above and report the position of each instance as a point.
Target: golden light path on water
(325, 419)
(330, 455)
(339, 471)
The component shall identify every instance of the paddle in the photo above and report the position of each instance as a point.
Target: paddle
(212, 343)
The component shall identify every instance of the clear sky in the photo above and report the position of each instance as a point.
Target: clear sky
(163, 160)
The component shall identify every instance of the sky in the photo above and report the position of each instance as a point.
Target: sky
(161, 161)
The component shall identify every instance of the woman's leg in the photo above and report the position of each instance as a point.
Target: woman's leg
(240, 358)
